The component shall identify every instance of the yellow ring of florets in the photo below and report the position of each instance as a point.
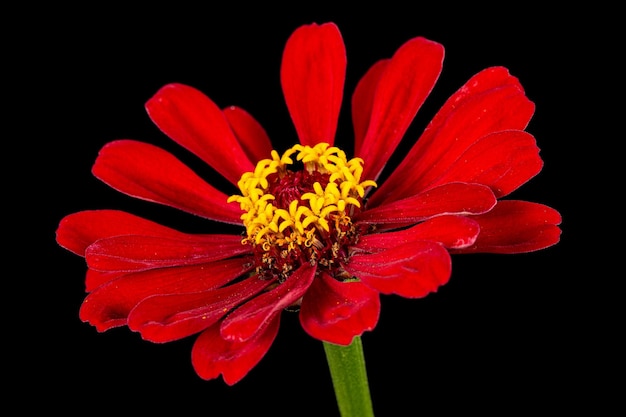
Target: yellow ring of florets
(268, 225)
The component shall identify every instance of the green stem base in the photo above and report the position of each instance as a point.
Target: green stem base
(349, 376)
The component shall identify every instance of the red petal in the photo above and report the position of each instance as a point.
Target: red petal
(109, 305)
(312, 76)
(192, 120)
(406, 81)
(489, 102)
(163, 318)
(79, 230)
(453, 198)
(141, 252)
(503, 161)
(211, 355)
(335, 312)
(244, 322)
(253, 138)
(93, 279)
(363, 100)
(411, 271)
(516, 227)
(150, 173)
(450, 231)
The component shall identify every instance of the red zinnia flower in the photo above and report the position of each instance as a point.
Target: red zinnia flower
(321, 236)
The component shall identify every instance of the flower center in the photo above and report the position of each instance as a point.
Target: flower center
(297, 212)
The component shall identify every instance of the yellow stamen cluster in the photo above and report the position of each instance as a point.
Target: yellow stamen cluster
(267, 224)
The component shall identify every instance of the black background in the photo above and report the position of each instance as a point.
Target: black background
(507, 333)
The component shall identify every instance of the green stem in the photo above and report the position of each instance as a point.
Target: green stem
(347, 370)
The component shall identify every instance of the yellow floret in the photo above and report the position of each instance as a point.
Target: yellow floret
(267, 225)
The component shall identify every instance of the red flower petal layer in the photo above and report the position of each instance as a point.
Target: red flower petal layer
(451, 231)
(211, 355)
(191, 119)
(110, 304)
(163, 318)
(335, 311)
(503, 161)
(403, 85)
(93, 279)
(141, 252)
(491, 101)
(312, 76)
(363, 101)
(77, 231)
(452, 198)
(410, 270)
(253, 138)
(244, 322)
(516, 227)
(148, 172)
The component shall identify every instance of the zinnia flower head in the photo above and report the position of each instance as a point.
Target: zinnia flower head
(321, 235)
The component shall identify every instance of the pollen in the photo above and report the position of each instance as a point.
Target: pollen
(297, 207)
